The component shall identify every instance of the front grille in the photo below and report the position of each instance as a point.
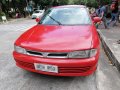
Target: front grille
(26, 64)
(34, 53)
(47, 54)
(73, 69)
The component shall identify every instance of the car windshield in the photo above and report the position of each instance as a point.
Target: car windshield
(66, 16)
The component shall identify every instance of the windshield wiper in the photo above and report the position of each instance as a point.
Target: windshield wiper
(55, 20)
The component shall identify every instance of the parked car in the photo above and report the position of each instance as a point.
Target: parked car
(37, 13)
(65, 42)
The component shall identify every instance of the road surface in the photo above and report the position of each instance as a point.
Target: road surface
(13, 78)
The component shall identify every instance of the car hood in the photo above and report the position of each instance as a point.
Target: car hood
(58, 38)
(37, 14)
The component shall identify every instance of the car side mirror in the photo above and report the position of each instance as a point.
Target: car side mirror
(97, 19)
(37, 19)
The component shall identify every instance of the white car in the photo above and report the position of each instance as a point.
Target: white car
(37, 13)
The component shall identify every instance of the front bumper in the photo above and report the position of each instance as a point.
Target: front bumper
(66, 67)
(34, 16)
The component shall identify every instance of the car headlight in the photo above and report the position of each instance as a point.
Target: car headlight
(83, 54)
(19, 49)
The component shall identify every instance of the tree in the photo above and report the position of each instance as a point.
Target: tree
(93, 3)
(64, 2)
(3, 6)
(21, 4)
(0, 7)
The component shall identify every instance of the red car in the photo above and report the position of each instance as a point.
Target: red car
(63, 43)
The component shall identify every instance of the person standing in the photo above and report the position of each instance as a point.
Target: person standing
(24, 14)
(114, 14)
(104, 14)
(98, 11)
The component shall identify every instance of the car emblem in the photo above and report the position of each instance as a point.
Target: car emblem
(45, 54)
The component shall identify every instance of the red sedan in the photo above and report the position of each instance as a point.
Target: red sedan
(63, 43)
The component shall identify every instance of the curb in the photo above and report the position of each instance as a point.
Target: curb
(14, 20)
(108, 51)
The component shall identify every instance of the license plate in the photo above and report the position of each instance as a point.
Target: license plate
(46, 67)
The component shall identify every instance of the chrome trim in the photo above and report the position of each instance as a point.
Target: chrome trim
(46, 54)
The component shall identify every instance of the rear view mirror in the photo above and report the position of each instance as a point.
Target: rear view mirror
(37, 19)
(97, 19)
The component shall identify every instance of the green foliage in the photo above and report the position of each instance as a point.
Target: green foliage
(45, 2)
(91, 3)
(21, 4)
(2, 14)
(63, 2)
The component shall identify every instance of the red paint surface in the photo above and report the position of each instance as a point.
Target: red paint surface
(58, 38)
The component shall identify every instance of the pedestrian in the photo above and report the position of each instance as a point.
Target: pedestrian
(18, 15)
(119, 13)
(92, 12)
(114, 14)
(98, 11)
(46, 7)
(10, 14)
(104, 14)
(24, 14)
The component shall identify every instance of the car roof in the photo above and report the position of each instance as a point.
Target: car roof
(39, 10)
(70, 6)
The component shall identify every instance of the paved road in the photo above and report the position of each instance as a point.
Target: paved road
(13, 78)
